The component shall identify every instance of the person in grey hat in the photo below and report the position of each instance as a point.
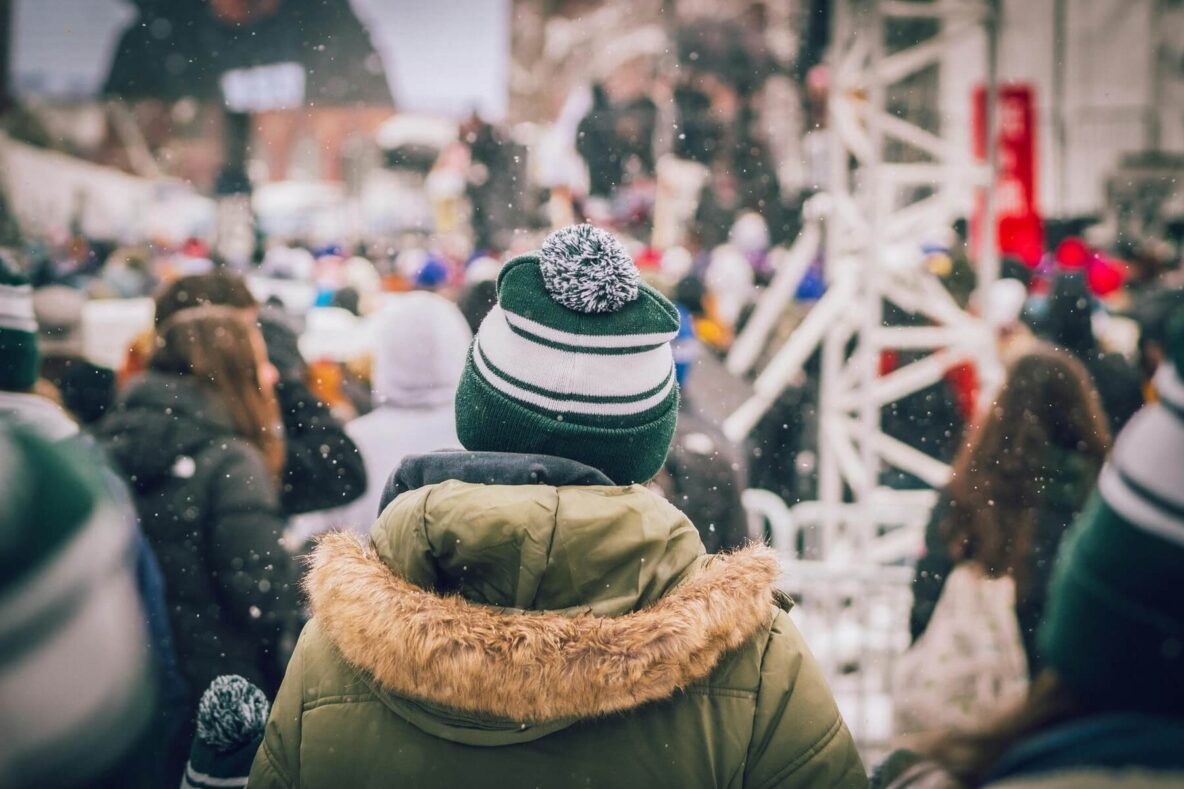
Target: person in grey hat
(87, 389)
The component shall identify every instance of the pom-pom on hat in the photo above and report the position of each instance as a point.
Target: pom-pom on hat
(574, 361)
(587, 270)
(231, 717)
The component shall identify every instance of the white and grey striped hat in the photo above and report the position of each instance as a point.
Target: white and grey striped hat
(1114, 626)
(1144, 480)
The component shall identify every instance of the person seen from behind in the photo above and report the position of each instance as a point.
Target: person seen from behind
(422, 344)
(322, 467)
(87, 389)
(1019, 480)
(527, 612)
(701, 475)
(25, 403)
(1068, 325)
(199, 441)
(78, 691)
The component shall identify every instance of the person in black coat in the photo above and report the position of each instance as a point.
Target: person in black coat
(1068, 325)
(87, 390)
(198, 440)
(323, 468)
(598, 145)
(701, 475)
(701, 478)
(780, 449)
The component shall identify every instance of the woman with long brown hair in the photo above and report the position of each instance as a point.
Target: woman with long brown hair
(199, 440)
(1017, 483)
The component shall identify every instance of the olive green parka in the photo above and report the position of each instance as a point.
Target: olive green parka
(539, 636)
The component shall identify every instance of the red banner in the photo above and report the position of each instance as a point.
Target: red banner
(1020, 229)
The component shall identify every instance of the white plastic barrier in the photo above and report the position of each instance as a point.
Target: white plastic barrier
(297, 296)
(110, 325)
(335, 334)
(799, 532)
(48, 191)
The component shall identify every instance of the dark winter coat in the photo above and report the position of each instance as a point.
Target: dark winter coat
(780, 456)
(323, 468)
(87, 390)
(516, 635)
(1069, 325)
(208, 507)
(701, 477)
(1062, 504)
(1119, 386)
(597, 143)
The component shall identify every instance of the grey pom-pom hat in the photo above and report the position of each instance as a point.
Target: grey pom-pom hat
(574, 361)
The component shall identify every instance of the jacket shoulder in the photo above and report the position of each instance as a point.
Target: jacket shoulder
(740, 669)
(325, 676)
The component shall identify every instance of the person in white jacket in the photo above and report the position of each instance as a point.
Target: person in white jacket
(421, 342)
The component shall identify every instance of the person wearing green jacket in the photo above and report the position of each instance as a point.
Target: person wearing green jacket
(527, 613)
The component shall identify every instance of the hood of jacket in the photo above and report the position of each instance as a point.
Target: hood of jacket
(492, 614)
(160, 419)
(421, 343)
(487, 468)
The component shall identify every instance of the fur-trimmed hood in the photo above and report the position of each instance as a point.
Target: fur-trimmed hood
(535, 604)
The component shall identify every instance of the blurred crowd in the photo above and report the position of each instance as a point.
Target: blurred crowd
(228, 440)
(176, 505)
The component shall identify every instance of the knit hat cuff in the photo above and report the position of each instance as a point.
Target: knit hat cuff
(486, 420)
(1107, 631)
(1140, 483)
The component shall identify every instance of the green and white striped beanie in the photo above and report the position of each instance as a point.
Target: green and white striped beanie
(574, 361)
(1114, 629)
(18, 331)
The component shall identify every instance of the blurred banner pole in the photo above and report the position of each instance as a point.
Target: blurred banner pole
(988, 262)
(6, 11)
(235, 223)
(877, 219)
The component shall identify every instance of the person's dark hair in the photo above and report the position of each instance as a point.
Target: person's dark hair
(218, 287)
(476, 301)
(969, 755)
(216, 345)
(689, 292)
(1010, 459)
(348, 299)
(1013, 268)
(1154, 313)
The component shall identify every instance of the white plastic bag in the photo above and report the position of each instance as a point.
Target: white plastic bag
(969, 664)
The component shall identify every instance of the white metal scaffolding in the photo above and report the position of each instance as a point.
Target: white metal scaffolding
(842, 553)
(876, 214)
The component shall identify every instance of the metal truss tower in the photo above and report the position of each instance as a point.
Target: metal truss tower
(893, 185)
